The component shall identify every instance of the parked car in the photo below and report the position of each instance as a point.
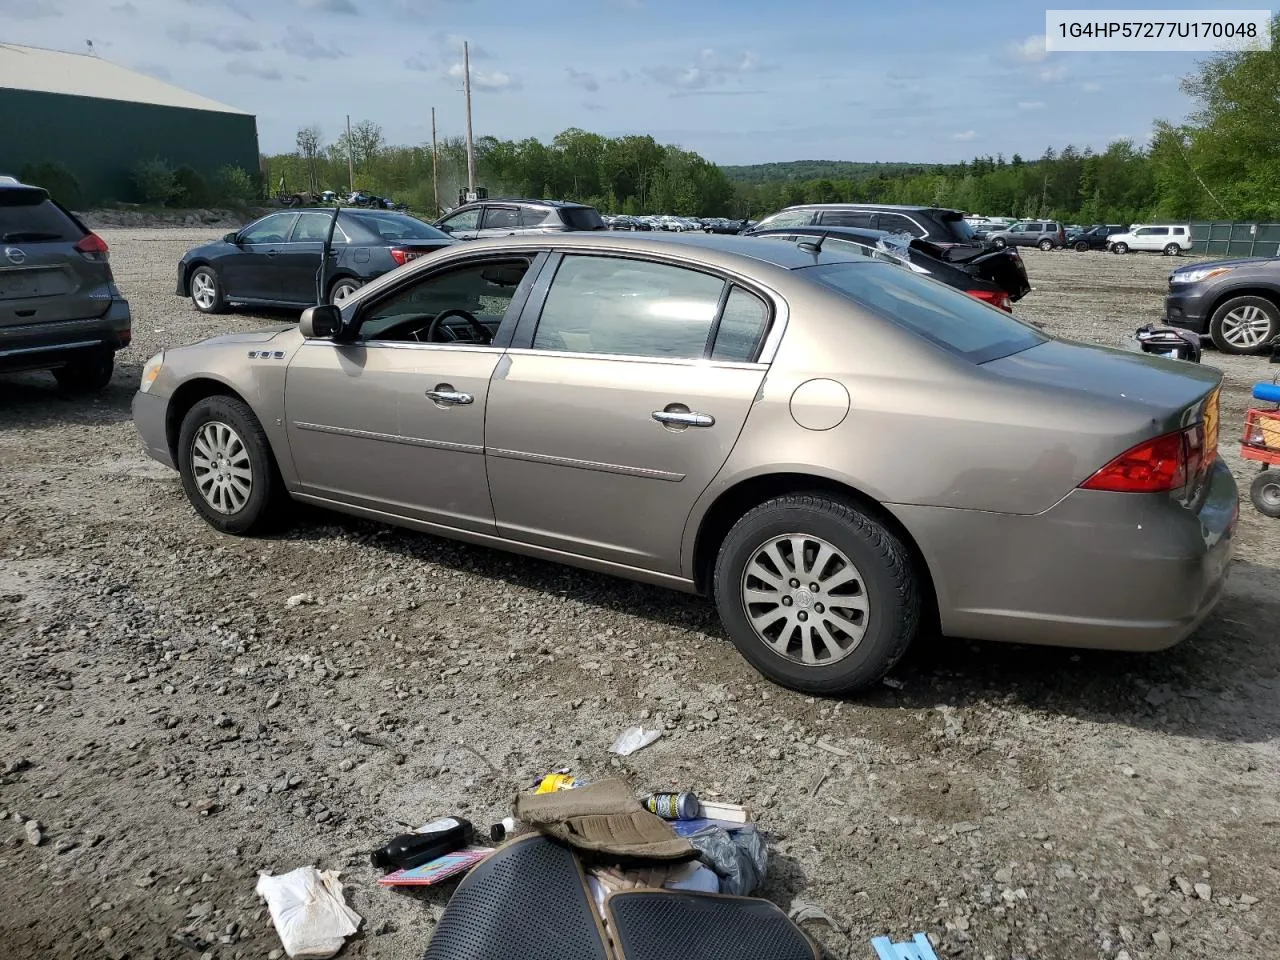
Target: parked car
(936, 224)
(514, 218)
(1235, 302)
(1169, 240)
(275, 261)
(60, 309)
(1045, 234)
(837, 450)
(997, 277)
(1095, 238)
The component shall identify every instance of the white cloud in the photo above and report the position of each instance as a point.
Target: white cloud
(965, 135)
(1030, 104)
(580, 78)
(303, 43)
(1030, 50)
(227, 43)
(1054, 74)
(711, 70)
(244, 67)
(1091, 87)
(493, 80)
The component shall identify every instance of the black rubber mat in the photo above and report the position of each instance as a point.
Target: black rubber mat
(675, 925)
(528, 901)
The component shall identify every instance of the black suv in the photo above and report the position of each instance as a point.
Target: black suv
(1095, 238)
(935, 224)
(512, 218)
(60, 309)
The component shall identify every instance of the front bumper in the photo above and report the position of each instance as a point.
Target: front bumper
(150, 415)
(1102, 570)
(37, 346)
(1186, 306)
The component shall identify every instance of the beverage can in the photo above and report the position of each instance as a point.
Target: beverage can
(673, 806)
(554, 782)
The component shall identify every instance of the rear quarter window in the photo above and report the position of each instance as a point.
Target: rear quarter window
(582, 218)
(939, 314)
(28, 217)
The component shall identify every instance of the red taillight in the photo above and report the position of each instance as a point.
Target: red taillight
(126, 336)
(1156, 466)
(92, 246)
(997, 298)
(402, 256)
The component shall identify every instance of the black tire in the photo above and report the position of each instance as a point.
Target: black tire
(1219, 332)
(887, 577)
(1172, 250)
(217, 301)
(1265, 493)
(342, 288)
(1082, 246)
(88, 373)
(1000, 243)
(260, 508)
(1121, 248)
(1046, 245)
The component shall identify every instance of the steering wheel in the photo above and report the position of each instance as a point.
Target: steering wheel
(480, 329)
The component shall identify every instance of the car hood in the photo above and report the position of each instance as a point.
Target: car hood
(212, 248)
(1240, 262)
(253, 336)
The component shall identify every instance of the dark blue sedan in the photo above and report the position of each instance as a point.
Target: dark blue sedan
(275, 261)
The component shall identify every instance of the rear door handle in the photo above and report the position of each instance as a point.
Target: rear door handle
(687, 418)
(272, 253)
(446, 396)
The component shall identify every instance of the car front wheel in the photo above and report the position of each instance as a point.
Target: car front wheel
(999, 242)
(206, 291)
(816, 594)
(1120, 248)
(227, 469)
(1244, 325)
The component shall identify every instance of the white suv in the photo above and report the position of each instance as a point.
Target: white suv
(1169, 240)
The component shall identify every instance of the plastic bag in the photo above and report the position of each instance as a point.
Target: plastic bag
(632, 739)
(308, 911)
(740, 858)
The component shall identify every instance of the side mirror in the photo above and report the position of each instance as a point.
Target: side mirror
(321, 322)
(232, 237)
(445, 227)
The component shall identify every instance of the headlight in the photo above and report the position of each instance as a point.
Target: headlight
(151, 371)
(1200, 273)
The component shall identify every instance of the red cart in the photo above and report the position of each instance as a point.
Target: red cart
(1262, 444)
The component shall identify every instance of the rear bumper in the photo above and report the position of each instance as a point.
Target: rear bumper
(38, 346)
(1186, 306)
(149, 415)
(1102, 570)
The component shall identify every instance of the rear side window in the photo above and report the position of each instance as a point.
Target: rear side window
(942, 315)
(849, 218)
(743, 325)
(25, 221)
(500, 218)
(582, 218)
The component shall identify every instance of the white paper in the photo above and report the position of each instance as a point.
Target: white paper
(308, 911)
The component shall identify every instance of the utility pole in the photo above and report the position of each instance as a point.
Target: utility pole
(471, 146)
(435, 170)
(351, 162)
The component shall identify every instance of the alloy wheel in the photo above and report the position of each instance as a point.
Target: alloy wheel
(1246, 326)
(342, 290)
(221, 467)
(805, 599)
(204, 290)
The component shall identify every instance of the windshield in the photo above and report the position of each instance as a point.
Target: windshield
(960, 228)
(942, 315)
(399, 226)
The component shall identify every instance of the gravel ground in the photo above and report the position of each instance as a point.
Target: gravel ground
(176, 723)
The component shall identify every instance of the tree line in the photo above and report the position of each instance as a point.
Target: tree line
(1223, 162)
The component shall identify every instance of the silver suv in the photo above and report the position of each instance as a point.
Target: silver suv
(514, 218)
(60, 309)
(1045, 234)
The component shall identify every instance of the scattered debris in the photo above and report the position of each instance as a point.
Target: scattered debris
(308, 911)
(34, 835)
(301, 600)
(633, 739)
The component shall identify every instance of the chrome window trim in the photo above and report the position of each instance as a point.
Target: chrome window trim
(631, 358)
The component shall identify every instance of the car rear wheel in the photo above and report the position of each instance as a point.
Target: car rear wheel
(88, 373)
(1120, 248)
(342, 289)
(1081, 246)
(1244, 324)
(816, 594)
(1172, 250)
(1046, 245)
(1265, 493)
(228, 472)
(206, 291)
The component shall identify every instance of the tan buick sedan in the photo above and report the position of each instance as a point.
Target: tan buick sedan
(839, 451)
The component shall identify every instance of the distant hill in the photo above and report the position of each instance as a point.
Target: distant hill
(816, 169)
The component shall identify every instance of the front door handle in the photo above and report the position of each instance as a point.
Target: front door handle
(444, 395)
(272, 253)
(683, 418)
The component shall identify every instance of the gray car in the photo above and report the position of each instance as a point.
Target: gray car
(1045, 234)
(485, 219)
(60, 309)
(837, 450)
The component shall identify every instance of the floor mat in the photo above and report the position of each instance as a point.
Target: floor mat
(670, 925)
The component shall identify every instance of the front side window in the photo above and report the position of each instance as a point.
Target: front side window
(272, 229)
(501, 218)
(944, 316)
(463, 305)
(612, 306)
(466, 220)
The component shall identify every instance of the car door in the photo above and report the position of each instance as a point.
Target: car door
(393, 422)
(499, 221)
(464, 225)
(299, 259)
(616, 405)
(254, 272)
(1151, 238)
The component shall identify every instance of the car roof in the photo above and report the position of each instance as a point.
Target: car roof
(871, 206)
(711, 248)
(544, 203)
